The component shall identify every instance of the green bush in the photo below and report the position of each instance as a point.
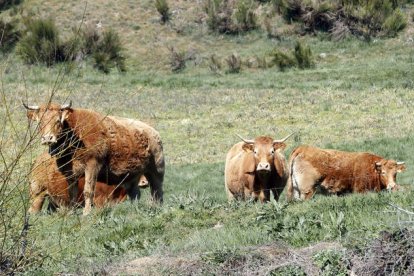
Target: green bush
(395, 23)
(303, 55)
(9, 35)
(282, 60)
(108, 53)
(331, 262)
(245, 17)
(164, 10)
(41, 43)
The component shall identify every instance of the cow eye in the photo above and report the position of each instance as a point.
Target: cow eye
(272, 151)
(255, 151)
(383, 173)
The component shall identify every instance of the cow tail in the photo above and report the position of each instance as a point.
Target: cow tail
(293, 185)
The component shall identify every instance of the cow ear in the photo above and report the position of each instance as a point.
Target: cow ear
(248, 147)
(33, 115)
(64, 115)
(400, 167)
(280, 146)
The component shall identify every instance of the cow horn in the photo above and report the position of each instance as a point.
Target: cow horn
(66, 106)
(282, 140)
(31, 107)
(400, 163)
(245, 140)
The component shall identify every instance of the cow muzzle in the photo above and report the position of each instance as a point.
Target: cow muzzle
(48, 139)
(263, 168)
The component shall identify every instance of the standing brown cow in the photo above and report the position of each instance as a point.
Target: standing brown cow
(339, 172)
(47, 181)
(256, 167)
(104, 148)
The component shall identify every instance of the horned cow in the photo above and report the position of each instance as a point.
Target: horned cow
(339, 172)
(256, 167)
(98, 147)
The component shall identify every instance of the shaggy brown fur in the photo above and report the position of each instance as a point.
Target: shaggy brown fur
(255, 169)
(47, 181)
(104, 148)
(338, 172)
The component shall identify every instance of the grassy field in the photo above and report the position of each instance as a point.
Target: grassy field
(359, 96)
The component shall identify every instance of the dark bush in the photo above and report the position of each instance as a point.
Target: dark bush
(163, 9)
(5, 4)
(108, 53)
(177, 60)
(41, 43)
(9, 35)
(363, 19)
(234, 64)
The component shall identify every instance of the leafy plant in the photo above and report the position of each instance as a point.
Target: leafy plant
(395, 23)
(245, 17)
(282, 60)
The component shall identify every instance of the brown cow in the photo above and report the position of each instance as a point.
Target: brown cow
(256, 167)
(104, 148)
(47, 181)
(339, 172)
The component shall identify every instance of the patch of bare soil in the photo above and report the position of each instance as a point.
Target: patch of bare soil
(258, 260)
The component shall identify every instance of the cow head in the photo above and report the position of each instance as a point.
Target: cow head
(264, 149)
(50, 118)
(387, 170)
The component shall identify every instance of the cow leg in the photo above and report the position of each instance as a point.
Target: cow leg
(132, 189)
(91, 175)
(38, 193)
(51, 207)
(37, 202)
(155, 180)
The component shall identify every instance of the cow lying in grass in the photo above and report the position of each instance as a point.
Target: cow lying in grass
(100, 148)
(339, 172)
(256, 167)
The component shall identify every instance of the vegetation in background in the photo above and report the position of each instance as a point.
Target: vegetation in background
(177, 60)
(361, 18)
(42, 44)
(300, 57)
(234, 64)
(9, 35)
(108, 53)
(5, 4)
(231, 17)
(163, 9)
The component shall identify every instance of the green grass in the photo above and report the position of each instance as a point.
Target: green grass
(359, 98)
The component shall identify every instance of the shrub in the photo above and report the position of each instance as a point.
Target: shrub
(41, 43)
(215, 64)
(177, 60)
(395, 23)
(282, 60)
(9, 35)
(245, 16)
(164, 10)
(234, 64)
(108, 53)
(90, 39)
(5, 4)
(230, 17)
(303, 55)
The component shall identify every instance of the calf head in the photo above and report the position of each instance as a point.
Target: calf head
(51, 118)
(264, 149)
(387, 170)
